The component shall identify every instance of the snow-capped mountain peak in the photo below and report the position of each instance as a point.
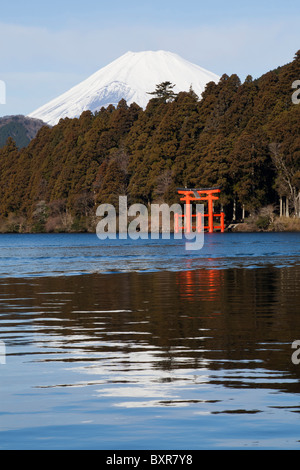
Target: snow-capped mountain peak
(131, 77)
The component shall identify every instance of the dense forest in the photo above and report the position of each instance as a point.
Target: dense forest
(243, 137)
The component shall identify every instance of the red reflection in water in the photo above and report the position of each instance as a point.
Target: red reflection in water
(205, 284)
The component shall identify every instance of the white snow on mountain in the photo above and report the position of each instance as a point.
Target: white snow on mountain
(130, 77)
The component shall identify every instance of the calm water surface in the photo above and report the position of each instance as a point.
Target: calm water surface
(143, 345)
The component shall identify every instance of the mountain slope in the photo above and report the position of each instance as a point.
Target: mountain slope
(20, 128)
(129, 77)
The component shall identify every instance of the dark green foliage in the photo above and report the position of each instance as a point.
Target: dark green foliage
(17, 132)
(243, 137)
(164, 91)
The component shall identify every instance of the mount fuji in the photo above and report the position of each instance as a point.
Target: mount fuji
(131, 77)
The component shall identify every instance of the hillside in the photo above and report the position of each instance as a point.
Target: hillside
(20, 128)
(243, 137)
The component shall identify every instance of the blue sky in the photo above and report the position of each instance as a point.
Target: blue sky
(47, 47)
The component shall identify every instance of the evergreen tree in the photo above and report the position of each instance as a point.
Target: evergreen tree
(164, 91)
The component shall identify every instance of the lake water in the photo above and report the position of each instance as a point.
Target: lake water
(144, 345)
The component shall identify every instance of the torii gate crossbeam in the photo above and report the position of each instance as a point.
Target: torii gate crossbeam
(201, 194)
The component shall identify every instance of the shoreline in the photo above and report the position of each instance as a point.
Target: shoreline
(277, 225)
(255, 224)
(236, 228)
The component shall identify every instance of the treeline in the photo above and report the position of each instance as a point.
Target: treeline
(243, 137)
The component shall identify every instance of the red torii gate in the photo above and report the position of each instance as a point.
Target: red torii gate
(201, 194)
